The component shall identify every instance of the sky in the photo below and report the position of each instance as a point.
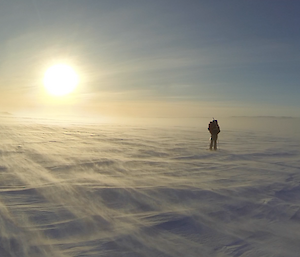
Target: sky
(154, 58)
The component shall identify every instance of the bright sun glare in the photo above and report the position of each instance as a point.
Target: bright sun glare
(60, 79)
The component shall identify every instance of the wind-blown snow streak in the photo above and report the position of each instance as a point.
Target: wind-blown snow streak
(108, 190)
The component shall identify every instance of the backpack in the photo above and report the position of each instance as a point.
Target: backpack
(213, 127)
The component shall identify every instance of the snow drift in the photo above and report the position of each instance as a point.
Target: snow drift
(119, 190)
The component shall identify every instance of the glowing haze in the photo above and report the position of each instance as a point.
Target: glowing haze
(151, 58)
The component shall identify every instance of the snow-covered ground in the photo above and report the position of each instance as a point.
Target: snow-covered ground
(140, 190)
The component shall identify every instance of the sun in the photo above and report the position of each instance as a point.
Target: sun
(60, 79)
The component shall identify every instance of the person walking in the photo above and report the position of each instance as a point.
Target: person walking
(214, 129)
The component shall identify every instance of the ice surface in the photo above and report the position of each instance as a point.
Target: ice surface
(119, 190)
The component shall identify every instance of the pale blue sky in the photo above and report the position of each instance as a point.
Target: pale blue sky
(155, 57)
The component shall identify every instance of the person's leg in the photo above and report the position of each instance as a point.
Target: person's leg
(211, 142)
(215, 142)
